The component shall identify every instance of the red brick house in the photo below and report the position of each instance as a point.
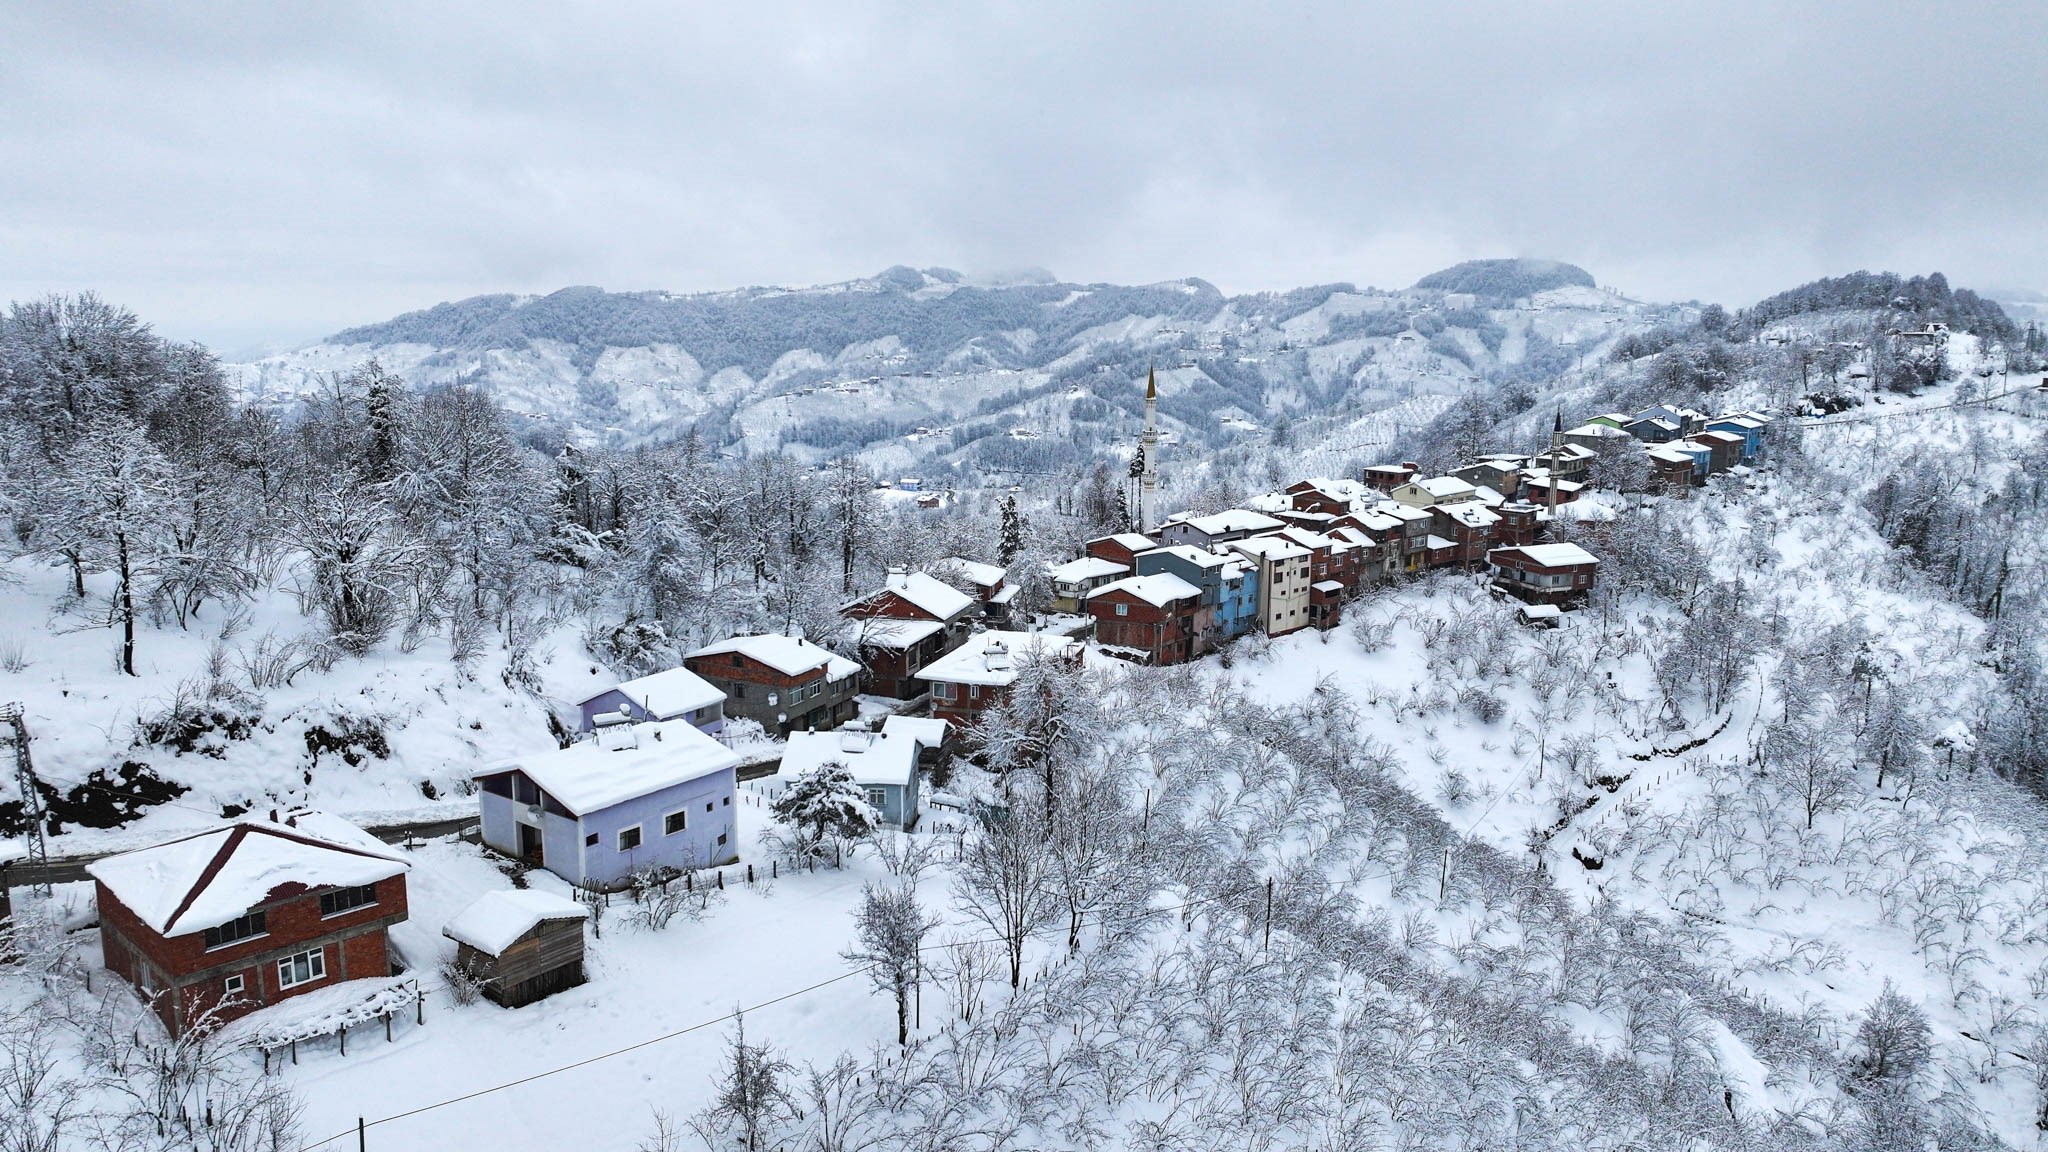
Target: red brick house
(1156, 616)
(221, 923)
(914, 619)
(989, 584)
(1520, 523)
(1309, 496)
(1544, 573)
(1387, 477)
(785, 683)
(971, 678)
(1471, 526)
(1121, 548)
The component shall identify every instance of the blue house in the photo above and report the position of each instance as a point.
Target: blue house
(883, 765)
(677, 694)
(1750, 428)
(633, 797)
(1229, 584)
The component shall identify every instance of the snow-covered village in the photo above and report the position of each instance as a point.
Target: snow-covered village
(1501, 709)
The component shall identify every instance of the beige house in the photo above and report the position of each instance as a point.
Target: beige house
(1284, 581)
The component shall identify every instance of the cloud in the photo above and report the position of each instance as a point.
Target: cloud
(269, 172)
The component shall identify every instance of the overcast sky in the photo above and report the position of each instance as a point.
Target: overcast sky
(272, 173)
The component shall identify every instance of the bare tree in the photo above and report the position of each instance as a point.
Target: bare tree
(891, 927)
(750, 1098)
(1002, 881)
(1804, 751)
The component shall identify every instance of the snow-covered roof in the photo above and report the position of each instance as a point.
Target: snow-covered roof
(1306, 538)
(1472, 515)
(667, 695)
(206, 879)
(1569, 452)
(1402, 511)
(1006, 593)
(1489, 496)
(1443, 487)
(1671, 454)
(973, 571)
(929, 731)
(1327, 586)
(1160, 588)
(1436, 541)
(592, 775)
(1232, 520)
(1270, 548)
(928, 594)
(498, 919)
(1602, 431)
(789, 655)
(994, 658)
(1087, 568)
(1740, 420)
(1554, 555)
(1131, 541)
(1718, 437)
(889, 632)
(1540, 611)
(1379, 522)
(871, 757)
(1657, 422)
(12, 850)
(1200, 557)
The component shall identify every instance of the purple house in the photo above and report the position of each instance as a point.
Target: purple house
(677, 694)
(635, 796)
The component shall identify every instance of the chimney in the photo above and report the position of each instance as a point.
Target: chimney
(273, 815)
(898, 576)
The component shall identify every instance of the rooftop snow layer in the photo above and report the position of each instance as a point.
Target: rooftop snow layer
(498, 919)
(993, 659)
(1159, 589)
(588, 776)
(1087, 568)
(871, 757)
(789, 655)
(667, 695)
(984, 575)
(888, 632)
(207, 879)
(1557, 555)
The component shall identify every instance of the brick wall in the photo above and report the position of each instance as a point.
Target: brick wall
(191, 977)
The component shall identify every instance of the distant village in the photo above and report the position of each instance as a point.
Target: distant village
(235, 921)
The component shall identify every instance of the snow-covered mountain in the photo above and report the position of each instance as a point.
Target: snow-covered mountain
(924, 369)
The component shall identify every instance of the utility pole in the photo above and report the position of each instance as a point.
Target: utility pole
(31, 797)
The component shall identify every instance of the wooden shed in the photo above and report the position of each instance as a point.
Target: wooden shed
(522, 944)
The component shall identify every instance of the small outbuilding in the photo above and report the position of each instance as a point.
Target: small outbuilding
(522, 945)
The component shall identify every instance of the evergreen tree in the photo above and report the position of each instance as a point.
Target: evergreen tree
(825, 801)
(1013, 532)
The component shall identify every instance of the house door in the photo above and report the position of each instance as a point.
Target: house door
(530, 845)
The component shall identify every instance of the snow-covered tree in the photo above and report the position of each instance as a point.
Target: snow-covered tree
(824, 802)
(890, 927)
(107, 506)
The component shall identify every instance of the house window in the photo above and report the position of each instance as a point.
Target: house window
(629, 838)
(590, 841)
(942, 690)
(725, 801)
(735, 659)
(721, 839)
(1123, 609)
(707, 806)
(875, 798)
(240, 928)
(739, 691)
(303, 968)
(347, 899)
(674, 822)
(231, 986)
